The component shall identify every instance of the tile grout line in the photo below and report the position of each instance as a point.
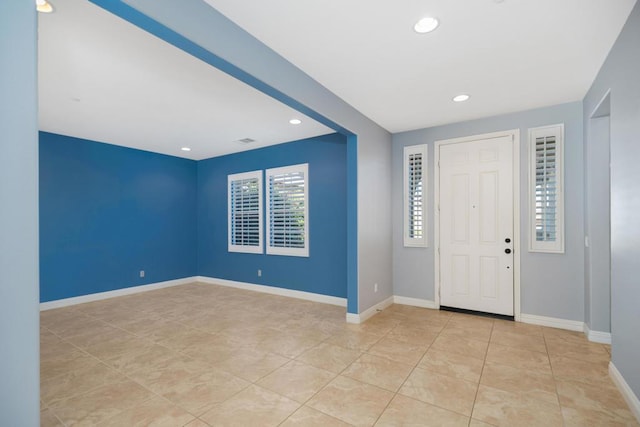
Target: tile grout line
(555, 382)
(415, 366)
(127, 375)
(336, 375)
(394, 393)
(102, 385)
(484, 363)
(340, 374)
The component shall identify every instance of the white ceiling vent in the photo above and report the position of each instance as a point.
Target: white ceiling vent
(246, 140)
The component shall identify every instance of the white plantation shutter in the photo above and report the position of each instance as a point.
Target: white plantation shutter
(415, 179)
(547, 198)
(245, 212)
(414, 195)
(287, 210)
(546, 189)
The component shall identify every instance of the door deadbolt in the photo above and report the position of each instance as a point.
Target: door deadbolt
(507, 240)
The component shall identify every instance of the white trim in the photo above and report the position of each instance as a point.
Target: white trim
(557, 246)
(370, 312)
(628, 394)
(112, 294)
(553, 322)
(415, 302)
(516, 224)
(597, 336)
(302, 168)
(595, 110)
(415, 242)
(245, 248)
(353, 318)
(273, 290)
(515, 138)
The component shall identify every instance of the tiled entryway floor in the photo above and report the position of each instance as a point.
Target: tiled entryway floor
(198, 355)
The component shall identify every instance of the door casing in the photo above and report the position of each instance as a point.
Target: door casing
(515, 138)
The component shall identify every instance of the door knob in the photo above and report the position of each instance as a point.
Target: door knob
(507, 251)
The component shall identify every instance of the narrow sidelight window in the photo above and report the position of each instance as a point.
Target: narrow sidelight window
(415, 187)
(546, 195)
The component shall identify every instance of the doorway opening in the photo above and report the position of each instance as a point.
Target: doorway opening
(598, 219)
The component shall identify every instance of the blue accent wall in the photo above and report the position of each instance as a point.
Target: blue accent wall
(207, 34)
(107, 212)
(325, 270)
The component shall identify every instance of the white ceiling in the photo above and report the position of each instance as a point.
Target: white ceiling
(508, 55)
(103, 79)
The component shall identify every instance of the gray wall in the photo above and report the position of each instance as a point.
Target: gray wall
(374, 220)
(19, 315)
(620, 73)
(551, 284)
(248, 59)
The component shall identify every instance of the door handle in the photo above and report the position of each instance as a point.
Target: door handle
(507, 251)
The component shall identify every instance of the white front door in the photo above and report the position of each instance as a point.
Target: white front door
(476, 225)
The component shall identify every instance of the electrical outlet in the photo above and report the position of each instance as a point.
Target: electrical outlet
(375, 287)
(259, 273)
(141, 273)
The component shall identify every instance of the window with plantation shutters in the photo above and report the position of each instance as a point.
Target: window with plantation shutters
(415, 181)
(546, 189)
(288, 210)
(245, 212)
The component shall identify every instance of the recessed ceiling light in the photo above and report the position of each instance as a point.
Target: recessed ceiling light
(186, 149)
(295, 121)
(426, 25)
(461, 98)
(44, 6)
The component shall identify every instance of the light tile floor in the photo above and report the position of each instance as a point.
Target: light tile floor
(203, 355)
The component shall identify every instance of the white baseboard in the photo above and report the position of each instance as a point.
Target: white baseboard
(353, 318)
(571, 325)
(597, 336)
(415, 302)
(371, 311)
(552, 322)
(628, 394)
(112, 294)
(326, 299)
(309, 296)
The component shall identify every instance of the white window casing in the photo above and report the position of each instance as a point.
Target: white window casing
(288, 210)
(415, 196)
(245, 212)
(546, 189)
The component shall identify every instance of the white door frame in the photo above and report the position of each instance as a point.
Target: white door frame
(515, 137)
